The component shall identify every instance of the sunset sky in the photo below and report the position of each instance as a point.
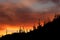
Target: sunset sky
(25, 13)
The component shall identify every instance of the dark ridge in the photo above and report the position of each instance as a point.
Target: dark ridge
(51, 27)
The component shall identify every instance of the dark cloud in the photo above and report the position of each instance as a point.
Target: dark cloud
(12, 14)
(15, 15)
(4, 17)
(56, 1)
(23, 10)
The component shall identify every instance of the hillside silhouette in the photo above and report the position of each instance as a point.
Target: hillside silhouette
(53, 26)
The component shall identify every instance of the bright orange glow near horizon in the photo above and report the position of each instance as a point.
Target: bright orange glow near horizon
(14, 29)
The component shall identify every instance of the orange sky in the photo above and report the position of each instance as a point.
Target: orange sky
(24, 14)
